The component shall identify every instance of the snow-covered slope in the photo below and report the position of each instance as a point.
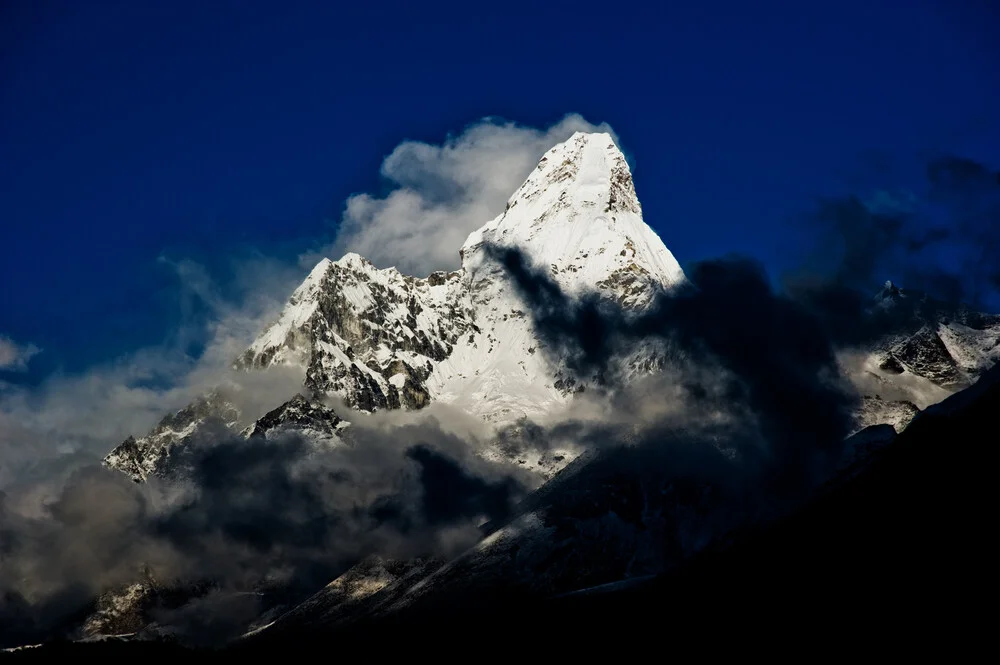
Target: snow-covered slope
(578, 216)
(379, 339)
(352, 591)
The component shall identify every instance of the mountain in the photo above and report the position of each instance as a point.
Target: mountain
(372, 339)
(377, 339)
(369, 339)
(381, 340)
(945, 344)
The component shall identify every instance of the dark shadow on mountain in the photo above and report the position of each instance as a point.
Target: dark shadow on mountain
(773, 357)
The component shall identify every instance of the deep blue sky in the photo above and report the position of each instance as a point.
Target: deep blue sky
(134, 129)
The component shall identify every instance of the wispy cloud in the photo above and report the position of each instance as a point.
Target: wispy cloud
(15, 357)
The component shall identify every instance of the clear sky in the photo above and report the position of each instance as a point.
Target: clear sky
(193, 129)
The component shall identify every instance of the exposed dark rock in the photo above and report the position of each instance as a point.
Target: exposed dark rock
(926, 355)
(299, 413)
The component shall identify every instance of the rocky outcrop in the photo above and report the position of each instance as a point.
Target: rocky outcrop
(300, 415)
(151, 454)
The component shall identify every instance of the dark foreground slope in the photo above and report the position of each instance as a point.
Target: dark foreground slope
(899, 556)
(898, 552)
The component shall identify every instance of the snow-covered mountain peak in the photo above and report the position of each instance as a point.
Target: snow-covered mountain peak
(578, 217)
(353, 260)
(588, 169)
(380, 339)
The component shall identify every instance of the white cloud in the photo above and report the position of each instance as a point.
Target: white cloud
(441, 193)
(15, 357)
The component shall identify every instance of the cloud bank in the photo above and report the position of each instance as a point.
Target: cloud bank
(257, 522)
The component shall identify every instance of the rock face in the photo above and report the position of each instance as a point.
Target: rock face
(877, 411)
(369, 336)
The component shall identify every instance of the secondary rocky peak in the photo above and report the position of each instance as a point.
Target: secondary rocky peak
(354, 260)
(301, 416)
(889, 292)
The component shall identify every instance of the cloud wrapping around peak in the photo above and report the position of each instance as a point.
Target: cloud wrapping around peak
(15, 357)
(442, 193)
